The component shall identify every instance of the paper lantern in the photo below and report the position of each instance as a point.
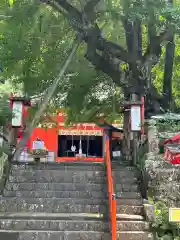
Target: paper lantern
(17, 113)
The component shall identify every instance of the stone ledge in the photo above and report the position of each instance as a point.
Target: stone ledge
(71, 225)
(149, 212)
(52, 216)
(129, 217)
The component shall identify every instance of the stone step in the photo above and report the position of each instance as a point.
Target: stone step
(67, 186)
(73, 194)
(29, 195)
(73, 166)
(68, 216)
(73, 173)
(52, 216)
(68, 178)
(129, 202)
(118, 167)
(70, 225)
(125, 209)
(61, 165)
(56, 186)
(134, 235)
(54, 208)
(59, 194)
(73, 235)
(128, 195)
(48, 178)
(63, 207)
(70, 201)
(129, 217)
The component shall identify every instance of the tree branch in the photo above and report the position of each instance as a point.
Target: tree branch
(154, 48)
(89, 9)
(90, 5)
(69, 8)
(106, 66)
(44, 103)
(76, 19)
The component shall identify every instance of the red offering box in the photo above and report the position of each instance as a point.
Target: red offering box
(172, 149)
(172, 153)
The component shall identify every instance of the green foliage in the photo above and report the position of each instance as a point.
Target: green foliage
(164, 229)
(167, 123)
(35, 41)
(32, 52)
(5, 111)
(39, 152)
(158, 73)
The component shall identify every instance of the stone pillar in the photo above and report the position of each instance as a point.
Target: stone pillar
(152, 136)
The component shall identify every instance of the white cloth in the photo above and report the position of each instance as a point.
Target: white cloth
(116, 153)
(80, 151)
(73, 148)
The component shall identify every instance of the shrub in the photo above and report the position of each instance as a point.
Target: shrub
(164, 229)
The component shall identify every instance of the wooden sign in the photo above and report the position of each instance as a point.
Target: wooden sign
(174, 214)
(78, 132)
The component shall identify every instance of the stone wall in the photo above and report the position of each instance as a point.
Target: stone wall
(4, 170)
(3, 160)
(163, 178)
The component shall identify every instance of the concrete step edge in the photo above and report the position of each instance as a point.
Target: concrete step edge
(129, 217)
(69, 232)
(119, 201)
(135, 232)
(44, 231)
(104, 201)
(89, 221)
(35, 200)
(119, 194)
(11, 215)
(74, 183)
(50, 216)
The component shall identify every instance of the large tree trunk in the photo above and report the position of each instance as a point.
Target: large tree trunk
(168, 70)
(126, 148)
(134, 46)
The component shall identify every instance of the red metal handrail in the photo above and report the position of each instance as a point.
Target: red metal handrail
(111, 194)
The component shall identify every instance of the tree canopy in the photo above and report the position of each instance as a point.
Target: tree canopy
(122, 52)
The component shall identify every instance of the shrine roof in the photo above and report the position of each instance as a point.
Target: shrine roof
(110, 127)
(167, 116)
(173, 139)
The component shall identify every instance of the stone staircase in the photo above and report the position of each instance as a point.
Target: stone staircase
(69, 202)
(130, 210)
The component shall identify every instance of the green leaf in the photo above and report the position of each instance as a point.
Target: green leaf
(11, 2)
